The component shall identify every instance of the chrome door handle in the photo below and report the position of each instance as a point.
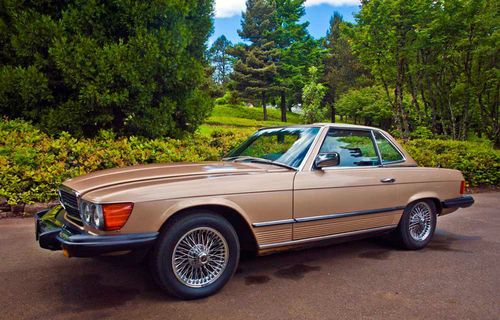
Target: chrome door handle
(388, 180)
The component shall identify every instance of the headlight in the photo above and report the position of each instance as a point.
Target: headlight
(91, 214)
(85, 212)
(97, 218)
(108, 217)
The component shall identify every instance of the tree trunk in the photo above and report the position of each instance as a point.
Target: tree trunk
(402, 121)
(264, 107)
(468, 73)
(414, 96)
(434, 111)
(283, 106)
(332, 110)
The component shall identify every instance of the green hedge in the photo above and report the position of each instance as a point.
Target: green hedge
(33, 164)
(478, 161)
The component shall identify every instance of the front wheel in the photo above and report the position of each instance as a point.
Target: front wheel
(417, 225)
(196, 255)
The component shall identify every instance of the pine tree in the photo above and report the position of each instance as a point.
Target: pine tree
(295, 47)
(343, 70)
(220, 60)
(255, 66)
(254, 73)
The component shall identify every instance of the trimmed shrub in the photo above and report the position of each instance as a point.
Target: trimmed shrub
(33, 164)
(478, 161)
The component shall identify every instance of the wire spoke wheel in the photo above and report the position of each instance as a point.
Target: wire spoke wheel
(420, 225)
(200, 257)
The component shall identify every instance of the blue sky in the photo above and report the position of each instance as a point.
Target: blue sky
(318, 13)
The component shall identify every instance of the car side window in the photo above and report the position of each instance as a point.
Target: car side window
(388, 152)
(355, 147)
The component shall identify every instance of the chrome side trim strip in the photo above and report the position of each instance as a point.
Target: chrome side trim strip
(326, 217)
(348, 214)
(332, 236)
(273, 223)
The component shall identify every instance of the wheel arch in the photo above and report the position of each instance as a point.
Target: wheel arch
(238, 220)
(427, 196)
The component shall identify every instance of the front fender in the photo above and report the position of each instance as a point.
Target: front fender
(189, 203)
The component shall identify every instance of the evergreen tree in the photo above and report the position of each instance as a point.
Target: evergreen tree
(343, 71)
(254, 73)
(255, 67)
(135, 67)
(297, 51)
(221, 60)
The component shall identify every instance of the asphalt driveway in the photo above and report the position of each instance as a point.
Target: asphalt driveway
(456, 277)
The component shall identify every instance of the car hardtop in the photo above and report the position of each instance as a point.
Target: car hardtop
(326, 125)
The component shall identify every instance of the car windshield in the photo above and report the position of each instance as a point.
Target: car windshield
(285, 146)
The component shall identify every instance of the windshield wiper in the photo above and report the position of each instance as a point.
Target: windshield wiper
(257, 160)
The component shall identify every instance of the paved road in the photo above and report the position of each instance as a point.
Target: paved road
(456, 277)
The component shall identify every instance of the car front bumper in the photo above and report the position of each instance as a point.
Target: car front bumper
(53, 234)
(460, 202)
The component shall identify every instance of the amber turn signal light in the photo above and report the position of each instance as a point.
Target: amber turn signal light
(115, 215)
(462, 187)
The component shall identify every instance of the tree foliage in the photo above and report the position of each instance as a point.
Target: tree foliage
(367, 105)
(442, 53)
(298, 51)
(221, 60)
(134, 67)
(285, 48)
(255, 67)
(312, 95)
(343, 70)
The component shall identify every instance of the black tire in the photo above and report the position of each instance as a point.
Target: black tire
(162, 254)
(402, 233)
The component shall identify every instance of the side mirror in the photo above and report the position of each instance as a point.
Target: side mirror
(327, 159)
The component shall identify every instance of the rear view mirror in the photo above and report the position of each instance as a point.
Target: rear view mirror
(327, 159)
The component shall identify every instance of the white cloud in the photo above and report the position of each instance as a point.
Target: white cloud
(335, 3)
(229, 8)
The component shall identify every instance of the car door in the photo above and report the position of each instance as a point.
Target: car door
(360, 193)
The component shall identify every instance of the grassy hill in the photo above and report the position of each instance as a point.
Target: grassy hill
(244, 119)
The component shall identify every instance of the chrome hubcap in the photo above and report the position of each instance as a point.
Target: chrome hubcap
(200, 257)
(420, 221)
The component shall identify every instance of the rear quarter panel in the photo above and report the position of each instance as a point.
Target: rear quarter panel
(419, 182)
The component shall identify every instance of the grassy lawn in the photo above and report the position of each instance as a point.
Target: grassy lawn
(245, 119)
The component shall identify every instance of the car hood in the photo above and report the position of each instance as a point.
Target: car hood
(141, 173)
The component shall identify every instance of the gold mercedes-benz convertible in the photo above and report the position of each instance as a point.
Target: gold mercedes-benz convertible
(283, 187)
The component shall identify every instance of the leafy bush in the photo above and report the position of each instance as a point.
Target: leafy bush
(132, 66)
(312, 95)
(479, 162)
(368, 104)
(422, 132)
(33, 164)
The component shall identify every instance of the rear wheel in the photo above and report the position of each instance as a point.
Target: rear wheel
(417, 225)
(196, 255)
